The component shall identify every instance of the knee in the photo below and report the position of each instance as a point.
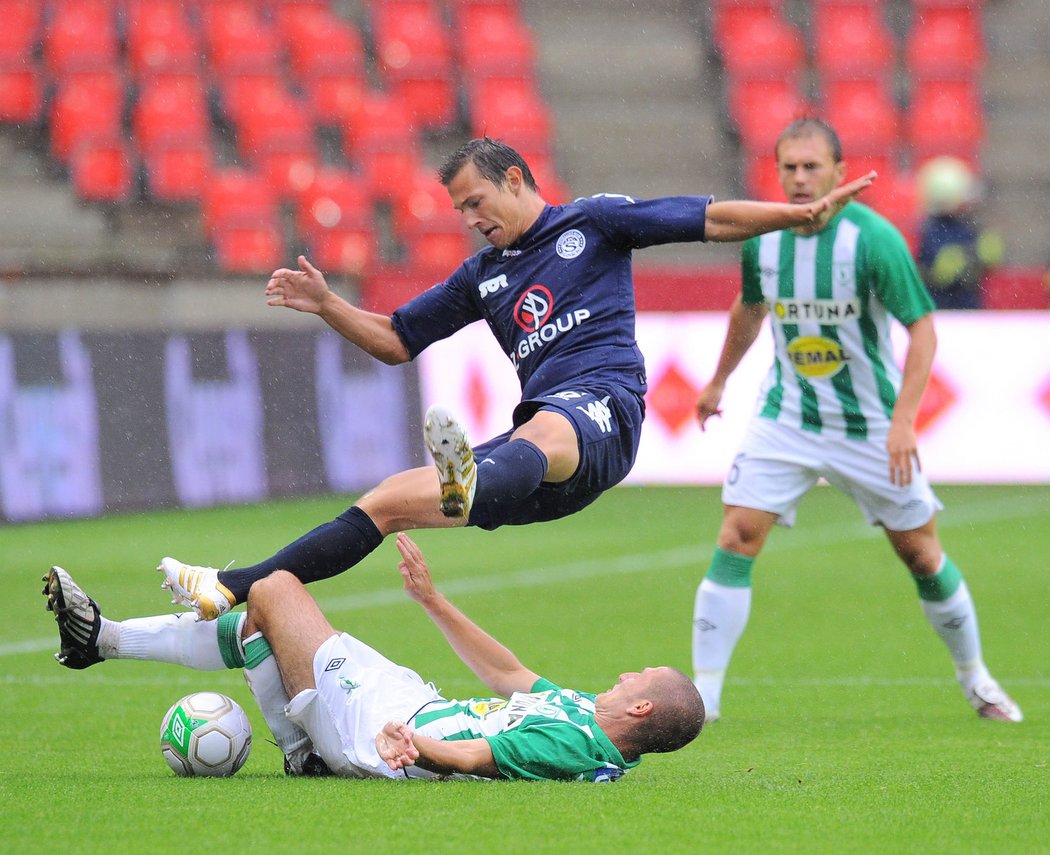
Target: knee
(268, 593)
(737, 535)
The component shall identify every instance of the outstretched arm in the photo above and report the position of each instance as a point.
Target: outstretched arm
(494, 664)
(305, 290)
(399, 746)
(741, 219)
(745, 320)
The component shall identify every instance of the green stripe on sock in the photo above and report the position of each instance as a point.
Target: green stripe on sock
(230, 639)
(730, 569)
(256, 652)
(941, 584)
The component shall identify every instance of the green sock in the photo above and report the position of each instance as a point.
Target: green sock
(256, 651)
(730, 569)
(229, 626)
(940, 585)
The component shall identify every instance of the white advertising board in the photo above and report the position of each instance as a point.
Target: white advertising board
(985, 419)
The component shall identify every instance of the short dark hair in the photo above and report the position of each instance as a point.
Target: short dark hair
(492, 158)
(811, 126)
(677, 717)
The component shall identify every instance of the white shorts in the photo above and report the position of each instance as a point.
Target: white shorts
(778, 464)
(358, 691)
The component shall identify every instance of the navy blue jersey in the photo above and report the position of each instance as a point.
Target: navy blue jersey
(560, 301)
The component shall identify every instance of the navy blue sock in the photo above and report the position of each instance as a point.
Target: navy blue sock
(516, 470)
(326, 551)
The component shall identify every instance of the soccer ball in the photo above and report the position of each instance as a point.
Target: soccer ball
(205, 734)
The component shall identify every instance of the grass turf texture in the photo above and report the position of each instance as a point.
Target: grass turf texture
(843, 730)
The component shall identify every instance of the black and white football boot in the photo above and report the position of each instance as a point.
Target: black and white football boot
(78, 617)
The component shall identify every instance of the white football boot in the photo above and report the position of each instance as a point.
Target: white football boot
(447, 443)
(196, 587)
(991, 702)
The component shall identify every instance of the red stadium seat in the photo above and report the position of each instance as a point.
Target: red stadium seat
(288, 164)
(334, 216)
(492, 38)
(863, 112)
(252, 246)
(439, 244)
(86, 105)
(102, 171)
(851, 37)
(761, 177)
(761, 109)
(757, 41)
(334, 96)
(21, 92)
(895, 196)
(238, 39)
(945, 41)
(171, 107)
(160, 38)
(419, 200)
(178, 170)
(81, 34)
(318, 41)
(380, 122)
(505, 107)
(21, 30)
(409, 32)
(236, 195)
(428, 93)
(1016, 288)
(945, 117)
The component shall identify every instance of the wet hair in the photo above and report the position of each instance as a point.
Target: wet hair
(810, 126)
(677, 717)
(492, 158)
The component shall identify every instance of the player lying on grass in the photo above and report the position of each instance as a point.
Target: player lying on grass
(336, 706)
(555, 288)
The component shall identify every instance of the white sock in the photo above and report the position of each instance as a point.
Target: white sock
(264, 680)
(719, 617)
(955, 621)
(179, 639)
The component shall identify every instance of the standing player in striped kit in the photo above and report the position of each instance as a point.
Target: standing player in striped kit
(834, 405)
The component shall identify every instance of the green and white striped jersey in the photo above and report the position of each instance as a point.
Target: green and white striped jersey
(546, 734)
(831, 298)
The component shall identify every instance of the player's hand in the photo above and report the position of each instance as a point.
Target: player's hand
(904, 453)
(304, 289)
(707, 404)
(828, 206)
(395, 746)
(418, 583)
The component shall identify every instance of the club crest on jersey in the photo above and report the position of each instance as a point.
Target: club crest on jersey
(570, 244)
(828, 312)
(817, 357)
(534, 308)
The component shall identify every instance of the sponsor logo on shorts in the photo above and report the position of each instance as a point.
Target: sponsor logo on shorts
(335, 664)
(571, 244)
(817, 357)
(567, 395)
(829, 312)
(599, 413)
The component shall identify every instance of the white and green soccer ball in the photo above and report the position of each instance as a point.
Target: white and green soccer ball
(205, 734)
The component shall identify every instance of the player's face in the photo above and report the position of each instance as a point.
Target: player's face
(632, 685)
(498, 213)
(807, 168)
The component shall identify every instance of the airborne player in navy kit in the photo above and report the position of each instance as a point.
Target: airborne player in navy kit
(555, 287)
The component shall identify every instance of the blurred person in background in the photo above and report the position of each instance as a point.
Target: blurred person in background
(835, 406)
(955, 251)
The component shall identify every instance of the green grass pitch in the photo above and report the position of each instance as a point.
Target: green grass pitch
(843, 729)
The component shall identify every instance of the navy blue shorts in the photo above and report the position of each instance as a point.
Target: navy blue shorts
(608, 422)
